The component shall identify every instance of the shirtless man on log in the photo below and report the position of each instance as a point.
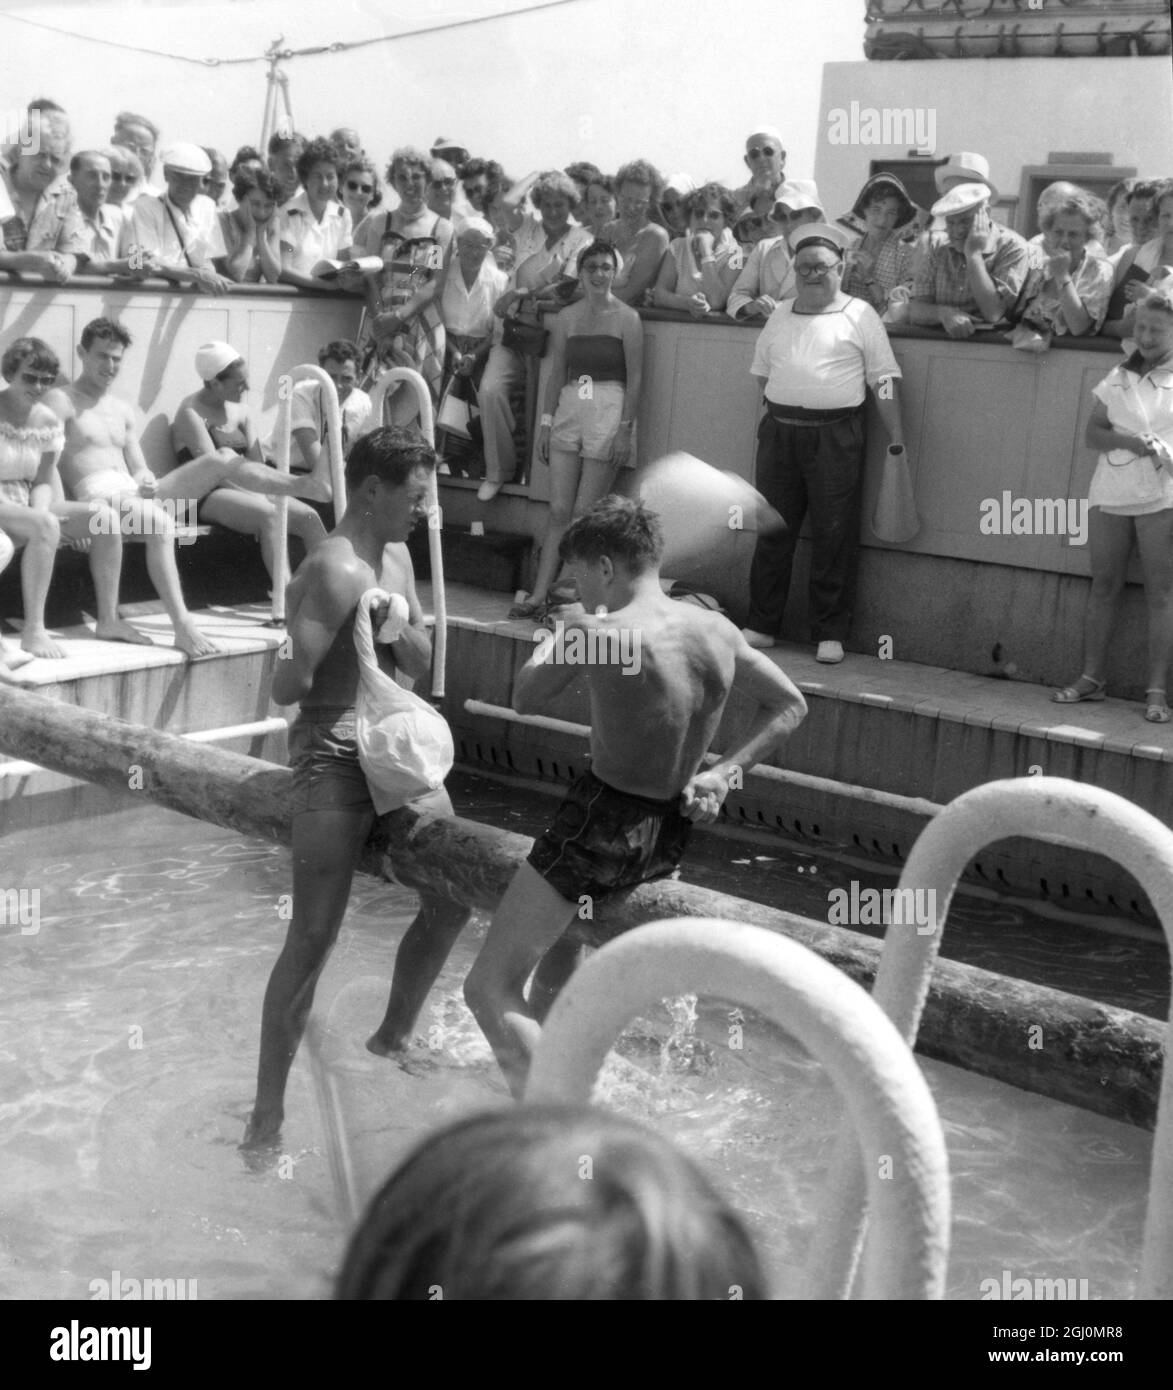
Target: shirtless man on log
(387, 483)
(660, 673)
(103, 460)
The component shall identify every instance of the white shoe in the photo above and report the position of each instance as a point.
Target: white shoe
(760, 640)
(487, 491)
(830, 652)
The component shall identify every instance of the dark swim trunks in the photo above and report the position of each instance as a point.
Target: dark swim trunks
(327, 775)
(603, 839)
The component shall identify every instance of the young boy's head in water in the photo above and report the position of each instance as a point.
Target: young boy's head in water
(549, 1202)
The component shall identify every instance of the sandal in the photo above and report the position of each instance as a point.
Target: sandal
(1085, 688)
(1156, 711)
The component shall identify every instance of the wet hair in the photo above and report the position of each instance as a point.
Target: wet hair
(554, 184)
(496, 1207)
(600, 247)
(280, 144)
(700, 198)
(247, 154)
(640, 171)
(105, 330)
(28, 352)
(1071, 199)
(318, 151)
(125, 118)
(263, 180)
(340, 350)
(619, 527)
(408, 157)
(363, 165)
(391, 454)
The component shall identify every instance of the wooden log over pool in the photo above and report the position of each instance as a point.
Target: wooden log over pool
(1103, 1059)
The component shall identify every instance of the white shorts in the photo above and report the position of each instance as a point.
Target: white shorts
(590, 426)
(105, 486)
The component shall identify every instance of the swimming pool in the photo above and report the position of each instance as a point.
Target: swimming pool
(127, 1060)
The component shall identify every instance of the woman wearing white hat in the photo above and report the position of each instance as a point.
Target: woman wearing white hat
(214, 424)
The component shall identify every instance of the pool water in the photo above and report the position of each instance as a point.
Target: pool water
(127, 1062)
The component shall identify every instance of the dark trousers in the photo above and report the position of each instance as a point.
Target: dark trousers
(815, 468)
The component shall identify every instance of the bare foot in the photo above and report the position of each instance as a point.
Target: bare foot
(37, 642)
(12, 657)
(189, 639)
(385, 1047)
(262, 1135)
(119, 630)
(313, 489)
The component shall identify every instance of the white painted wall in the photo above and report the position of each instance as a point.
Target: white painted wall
(680, 82)
(1015, 112)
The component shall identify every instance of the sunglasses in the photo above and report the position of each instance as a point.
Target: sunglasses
(755, 150)
(751, 224)
(36, 379)
(121, 178)
(443, 183)
(360, 187)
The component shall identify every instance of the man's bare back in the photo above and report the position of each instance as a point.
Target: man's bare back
(656, 706)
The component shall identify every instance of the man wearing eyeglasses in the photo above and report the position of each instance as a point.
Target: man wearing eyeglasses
(815, 359)
(765, 159)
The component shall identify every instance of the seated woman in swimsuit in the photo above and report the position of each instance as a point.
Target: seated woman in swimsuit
(592, 396)
(214, 419)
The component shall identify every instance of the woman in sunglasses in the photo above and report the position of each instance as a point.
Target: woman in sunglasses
(360, 190)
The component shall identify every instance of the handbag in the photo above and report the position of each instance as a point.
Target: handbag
(404, 745)
(529, 339)
(895, 518)
(456, 411)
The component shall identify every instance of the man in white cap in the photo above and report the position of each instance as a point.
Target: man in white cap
(765, 159)
(978, 276)
(814, 359)
(181, 228)
(768, 274)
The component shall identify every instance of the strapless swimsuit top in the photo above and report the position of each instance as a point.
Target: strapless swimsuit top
(596, 355)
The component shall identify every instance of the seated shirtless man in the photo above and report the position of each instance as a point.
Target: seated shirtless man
(659, 674)
(387, 480)
(103, 460)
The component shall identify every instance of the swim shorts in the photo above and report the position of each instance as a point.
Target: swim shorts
(603, 839)
(327, 775)
(106, 485)
(590, 425)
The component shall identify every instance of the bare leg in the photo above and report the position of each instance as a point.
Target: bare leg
(574, 489)
(253, 516)
(1154, 534)
(531, 918)
(425, 947)
(203, 475)
(326, 849)
(39, 532)
(1110, 538)
(10, 657)
(554, 969)
(85, 521)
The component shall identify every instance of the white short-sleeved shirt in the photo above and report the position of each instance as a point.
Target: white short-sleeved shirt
(469, 312)
(306, 413)
(1136, 404)
(196, 231)
(304, 240)
(823, 361)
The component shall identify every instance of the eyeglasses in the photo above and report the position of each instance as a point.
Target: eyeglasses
(815, 272)
(443, 183)
(121, 178)
(360, 187)
(36, 379)
(768, 150)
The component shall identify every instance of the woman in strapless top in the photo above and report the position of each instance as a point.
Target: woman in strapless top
(215, 417)
(592, 396)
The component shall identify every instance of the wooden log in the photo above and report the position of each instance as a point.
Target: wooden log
(1104, 1059)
